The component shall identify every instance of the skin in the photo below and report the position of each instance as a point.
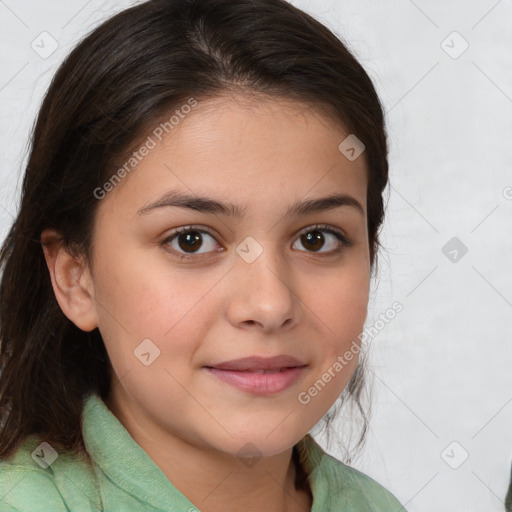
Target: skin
(263, 155)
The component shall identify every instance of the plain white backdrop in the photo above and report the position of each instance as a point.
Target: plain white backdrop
(441, 432)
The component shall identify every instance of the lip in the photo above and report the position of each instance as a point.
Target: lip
(248, 374)
(259, 363)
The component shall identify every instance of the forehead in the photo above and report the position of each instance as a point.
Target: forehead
(248, 146)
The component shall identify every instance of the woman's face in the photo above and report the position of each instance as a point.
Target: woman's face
(253, 277)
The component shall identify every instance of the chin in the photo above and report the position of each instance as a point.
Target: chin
(260, 443)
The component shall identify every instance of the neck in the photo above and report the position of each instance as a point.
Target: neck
(219, 482)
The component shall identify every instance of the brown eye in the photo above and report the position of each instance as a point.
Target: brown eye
(190, 241)
(323, 237)
(314, 240)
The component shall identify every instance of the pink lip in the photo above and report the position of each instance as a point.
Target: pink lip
(246, 374)
(259, 363)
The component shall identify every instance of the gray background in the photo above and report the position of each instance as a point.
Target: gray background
(441, 366)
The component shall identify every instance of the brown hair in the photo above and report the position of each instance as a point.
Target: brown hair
(132, 69)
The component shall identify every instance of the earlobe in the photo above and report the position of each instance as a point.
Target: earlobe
(71, 281)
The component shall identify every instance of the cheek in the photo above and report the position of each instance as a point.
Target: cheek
(342, 306)
(149, 302)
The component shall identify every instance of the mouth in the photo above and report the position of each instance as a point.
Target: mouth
(260, 364)
(259, 375)
(263, 371)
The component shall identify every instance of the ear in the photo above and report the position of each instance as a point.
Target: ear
(71, 281)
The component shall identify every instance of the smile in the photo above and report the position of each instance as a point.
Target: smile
(259, 382)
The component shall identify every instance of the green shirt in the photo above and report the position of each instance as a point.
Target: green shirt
(125, 479)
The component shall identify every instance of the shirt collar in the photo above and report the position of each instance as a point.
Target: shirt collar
(124, 461)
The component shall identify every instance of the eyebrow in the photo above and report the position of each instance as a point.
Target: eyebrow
(203, 204)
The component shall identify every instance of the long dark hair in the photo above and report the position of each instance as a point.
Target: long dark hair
(134, 69)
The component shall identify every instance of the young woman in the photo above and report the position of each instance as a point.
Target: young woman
(187, 278)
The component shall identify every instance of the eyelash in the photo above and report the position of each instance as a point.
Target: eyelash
(317, 227)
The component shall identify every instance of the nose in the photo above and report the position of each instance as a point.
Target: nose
(262, 294)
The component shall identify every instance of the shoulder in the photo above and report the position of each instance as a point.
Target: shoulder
(337, 486)
(372, 493)
(362, 490)
(37, 478)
